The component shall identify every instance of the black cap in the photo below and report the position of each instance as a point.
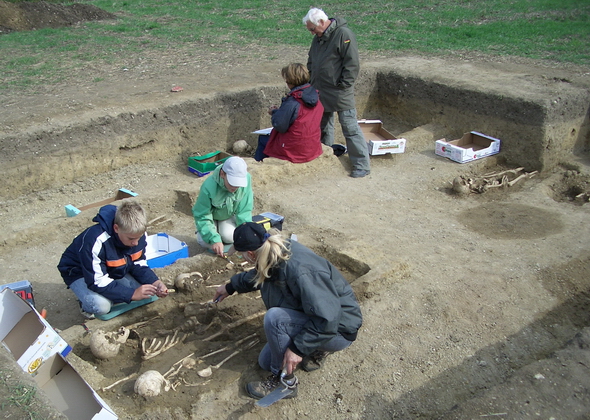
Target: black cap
(249, 236)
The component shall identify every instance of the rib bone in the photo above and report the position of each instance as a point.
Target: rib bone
(158, 346)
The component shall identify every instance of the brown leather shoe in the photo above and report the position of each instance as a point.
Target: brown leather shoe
(260, 389)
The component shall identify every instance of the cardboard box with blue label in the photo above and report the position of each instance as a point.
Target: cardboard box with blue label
(40, 351)
(26, 335)
(470, 147)
(70, 393)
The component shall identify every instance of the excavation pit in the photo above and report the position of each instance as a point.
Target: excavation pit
(184, 326)
(426, 311)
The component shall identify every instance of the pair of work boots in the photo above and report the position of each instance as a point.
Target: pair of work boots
(261, 389)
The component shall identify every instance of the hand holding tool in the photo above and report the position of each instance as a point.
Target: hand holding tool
(288, 385)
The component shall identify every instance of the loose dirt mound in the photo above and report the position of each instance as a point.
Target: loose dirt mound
(573, 187)
(29, 16)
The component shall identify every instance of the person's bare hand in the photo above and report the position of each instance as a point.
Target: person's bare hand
(217, 248)
(161, 289)
(290, 361)
(144, 291)
(271, 109)
(220, 294)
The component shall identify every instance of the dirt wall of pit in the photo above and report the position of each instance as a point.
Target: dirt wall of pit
(541, 122)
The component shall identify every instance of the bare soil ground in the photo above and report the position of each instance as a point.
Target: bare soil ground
(475, 306)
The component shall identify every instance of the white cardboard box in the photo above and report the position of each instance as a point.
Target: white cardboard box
(40, 351)
(470, 147)
(380, 141)
(27, 336)
(70, 393)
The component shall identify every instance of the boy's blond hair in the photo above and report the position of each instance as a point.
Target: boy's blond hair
(131, 218)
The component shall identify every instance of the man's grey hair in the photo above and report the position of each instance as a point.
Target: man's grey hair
(314, 16)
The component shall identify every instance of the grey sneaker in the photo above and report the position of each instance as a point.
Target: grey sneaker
(261, 389)
(314, 361)
(359, 173)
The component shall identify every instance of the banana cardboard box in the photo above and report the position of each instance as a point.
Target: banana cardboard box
(26, 335)
(39, 350)
(379, 140)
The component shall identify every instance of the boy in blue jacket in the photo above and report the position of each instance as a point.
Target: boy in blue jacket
(106, 263)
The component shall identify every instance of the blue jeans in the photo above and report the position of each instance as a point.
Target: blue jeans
(357, 147)
(262, 141)
(280, 325)
(94, 303)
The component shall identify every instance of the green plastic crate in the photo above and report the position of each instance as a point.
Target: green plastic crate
(202, 165)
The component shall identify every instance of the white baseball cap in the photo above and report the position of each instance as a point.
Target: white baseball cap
(236, 171)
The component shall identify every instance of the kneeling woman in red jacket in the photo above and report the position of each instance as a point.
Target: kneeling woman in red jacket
(296, 124)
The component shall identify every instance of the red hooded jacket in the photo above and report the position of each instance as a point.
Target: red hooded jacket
(296, 126)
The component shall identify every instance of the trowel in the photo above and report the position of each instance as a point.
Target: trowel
(289, 384)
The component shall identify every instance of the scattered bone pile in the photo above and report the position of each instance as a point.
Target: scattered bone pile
(480, 184)
(193, 321)
(151, 383)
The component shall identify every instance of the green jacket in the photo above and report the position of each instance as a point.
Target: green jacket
(215, 202)
(333, 63)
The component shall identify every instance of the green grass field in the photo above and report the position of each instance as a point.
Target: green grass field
(557, 30)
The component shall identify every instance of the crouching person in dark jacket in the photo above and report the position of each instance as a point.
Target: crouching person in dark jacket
(311, 309)
(106, 263)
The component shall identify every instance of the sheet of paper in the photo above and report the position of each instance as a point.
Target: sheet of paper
(263, 131)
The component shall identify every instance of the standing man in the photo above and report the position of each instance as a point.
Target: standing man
(333, 64)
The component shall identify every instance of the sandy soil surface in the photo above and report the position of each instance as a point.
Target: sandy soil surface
(475, 306)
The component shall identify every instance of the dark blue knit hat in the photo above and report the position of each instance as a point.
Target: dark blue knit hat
(249, 236)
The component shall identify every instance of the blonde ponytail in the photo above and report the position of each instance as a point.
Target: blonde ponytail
(273, 251)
